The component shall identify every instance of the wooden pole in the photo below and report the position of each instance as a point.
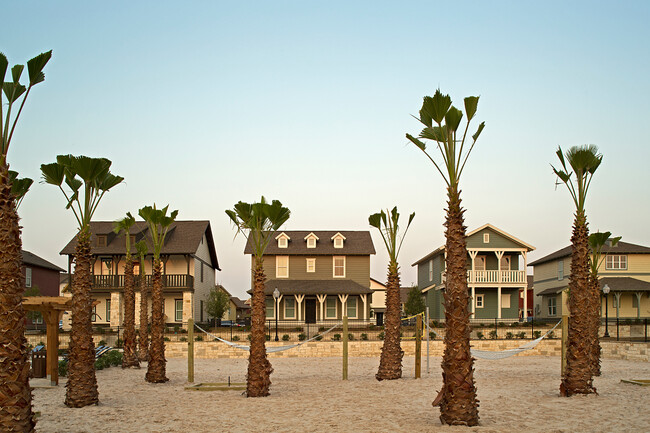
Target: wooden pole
(418, 346)
(190, 350)
(565, 327)
(426, 329)
(50, 317)
(345, 347)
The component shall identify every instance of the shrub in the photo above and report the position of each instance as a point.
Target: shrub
(119, 343)
(350, 337)
(493, 334)
(480, 335)
(381, 335)
(509, 335)
(102, 343)
(166, 339)
(551, 334)
(198, 338)
(248, 337)
(336, 337)
(114, 358)
(514, 325)
(183, 339)
(521, 335)
(501, 325)
(299, 329)
(268, 337)
(364, 337)
(537, 334)
(321, 328)
(40, 343)
(319, 337)
(234, 338)
(285, 337)
(176, 328)
(63, 368)
(432, 335)
(302, 336)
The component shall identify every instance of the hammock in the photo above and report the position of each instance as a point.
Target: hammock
(270, 349)
(488, 354)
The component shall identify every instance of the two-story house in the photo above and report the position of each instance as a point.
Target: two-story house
(495, 276)
(41, 274)
(626, 271)
(189, 260)
(320, 275)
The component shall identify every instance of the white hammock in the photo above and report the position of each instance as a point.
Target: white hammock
(488, 354)
(270, 349)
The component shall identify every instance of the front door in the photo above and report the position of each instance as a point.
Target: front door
(310, 311)
(380, 318)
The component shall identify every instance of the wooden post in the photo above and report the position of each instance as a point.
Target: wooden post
(190, 350)
(51, 319)
(565, 327)
(345, 347)
(426, 330)
(418, 346)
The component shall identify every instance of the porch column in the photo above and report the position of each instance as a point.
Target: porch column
(116, 309)
(364, 298)
(617, 295)
(472, 278)
(473, 301)
(638, 304)
(499, 257)
(321, 301)
(299, 299)
(499, 302)
(525, 255)
(344, 304)
(138, 297)
(188, 304)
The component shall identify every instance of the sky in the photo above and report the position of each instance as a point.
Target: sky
(201, 104)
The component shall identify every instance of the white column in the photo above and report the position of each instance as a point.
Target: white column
(617, 295)
(116, 310)
(473, 301)
(299, 299)
(499, 256)
(138, 298)
(472, 255)
(321, 300)
(525, 254)
(364, 298)
(498, 302)
(344, 304)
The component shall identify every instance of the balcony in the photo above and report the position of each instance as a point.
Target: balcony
(493, 277)
(170, 281)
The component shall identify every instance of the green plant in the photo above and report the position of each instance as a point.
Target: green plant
(176, 328)
(381, 335)
(364, 337)
(509, 335)
(336, 337)
(321, 328)
(551, 335)
(537, 334)
(285, 337)
(299, 329)
(319, 337)
(514, 325)
(166, 339)
(350, 337)
(432, 335)
(119, 343)
(218, 302)
(100, 330)
(302, 336)
(268, 337)
(63, 368)
(249, 337)
(198, 338)
(501, 325)
(480, 335)
(102, 343)
(183, 339)
(235, 338)
(521, 335)
(493, 334)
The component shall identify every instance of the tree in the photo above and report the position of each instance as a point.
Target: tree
(16, 412)
(578, 374)
(92, 178)
(390, 363)
(441, 120)
(130, 358)
(414, 303)
(258, 222)
(159, 223)
(218, 302)
(143, 333)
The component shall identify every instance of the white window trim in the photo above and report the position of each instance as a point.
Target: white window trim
(286, 316)
(431, 270)
(554, 306)
(560, 270)
(486, 238)
(176, 310)
(277, 267)
(327, 314)
(266, 308)
(313, 261)
(283, 240)
(610, 266)
(311, 239)
(28, 277)
(504, 297)
(334, 266)
(356, 308)
(480, 301)
(339, 240)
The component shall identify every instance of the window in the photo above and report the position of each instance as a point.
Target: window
(93, 314)
(479, 301)
(101, 240)
(486, 238)
(282, 267)
(352, 308)
(108, 310)
(479, 263)
(339, 266)
(617, 262)
(338, 243)
(178, 310)
(132, 240)
(330, 310)
(289, 308)
(136, 268)
(270, 308)
(282, 242)
(430, 270)
(552, 306)
(201, 309)
(311, 243)
(28, 277)
(201, 271)
(505, 263)
(311, 265)
(560, 270)
(505, 300)
(106, 266)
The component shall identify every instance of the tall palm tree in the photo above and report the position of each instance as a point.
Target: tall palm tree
(390, 364)
(143, 333)
(597, 242)
(441, 120)
(159, 223)
(130, 358)
(15, 395)
(578, 374)
(257, 222)
(92, 178)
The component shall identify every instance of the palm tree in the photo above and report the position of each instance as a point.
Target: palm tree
(578, 374)
(159, 223)
(92, 178)
(257, 222)
(441, 120)
(143, 333)
(390, 364)
(130, 358)
(15, 396)
(597, 242)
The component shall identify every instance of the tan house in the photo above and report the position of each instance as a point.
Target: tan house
(626, 271)
(320, 275)
(237, 309)
(189, 262)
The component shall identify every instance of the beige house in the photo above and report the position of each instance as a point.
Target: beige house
(378, 303)
(626, 271)
(319, 275)
(189, 263)
(237, 309)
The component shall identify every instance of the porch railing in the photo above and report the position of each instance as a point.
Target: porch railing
(170, 281)
(492, 277)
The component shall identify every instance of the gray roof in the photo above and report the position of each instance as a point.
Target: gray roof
(552, 290)
(34, 260)
(239, 303)
(315, 287)
(616, 284)
(183, 237)
(620, 248)
(356, 243)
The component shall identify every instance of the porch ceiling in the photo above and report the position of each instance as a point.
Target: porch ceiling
(315, 287)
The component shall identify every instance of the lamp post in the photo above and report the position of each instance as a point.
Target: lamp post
(276, 296)
(606, 292)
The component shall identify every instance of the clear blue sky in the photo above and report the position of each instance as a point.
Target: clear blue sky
(202, 104)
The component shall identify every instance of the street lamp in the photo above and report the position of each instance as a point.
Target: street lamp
(276, 296)
(606, 292)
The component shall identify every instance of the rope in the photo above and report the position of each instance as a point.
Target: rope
(488, 354)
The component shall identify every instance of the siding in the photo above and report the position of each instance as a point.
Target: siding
(202, 289)
(357, 268)
(497, 241)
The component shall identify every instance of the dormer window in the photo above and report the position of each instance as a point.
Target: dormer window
(101, 240)
(338, 240)
(486, 238)
(283, 240)
(311, 239)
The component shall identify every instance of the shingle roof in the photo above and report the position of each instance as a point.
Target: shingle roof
(356, 243)
(183, 237)
(620, 248)
(239, 303)
(315, 287)
(625, 284)
(552, 290)
(34, 260)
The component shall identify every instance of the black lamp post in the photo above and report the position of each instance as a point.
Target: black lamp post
(276, 296)
(606, 292)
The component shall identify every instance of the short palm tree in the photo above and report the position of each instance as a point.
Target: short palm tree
(90, 177)
(441, 120)
(130, 357)
(143, 333)
(258, 222)
(578, 374)
(159, 223)
(15, 396)
(390, 363)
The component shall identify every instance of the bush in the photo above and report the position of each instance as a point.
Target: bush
(321, 328)
(381, 335)
(302, 336)
(248, 337)
(299, 329)
(521, 335)
(176, 328)
(501, 325)
(350, 337)
(63, 368)
(432, 335)
(268, 337)
(509, 335)
(113, 357)
(319, 337)
(102, 343)
(551, 334)
(480, 335)
(198, 338)
(537, 334)
(514, 325)
(285, 337)
(493, 334)
(100, 330)
(364, 337)
(336, 337)
(166, 339)
(183, 339)
(234, 338)
(119, 343)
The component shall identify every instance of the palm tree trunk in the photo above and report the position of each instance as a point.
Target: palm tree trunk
(130, 358)
(579, 366)
(457, 399)
(390, 363)
(594, 293)
(16, 413)
(81, 388)
(258, 379)
(143, 337)
(156, 369)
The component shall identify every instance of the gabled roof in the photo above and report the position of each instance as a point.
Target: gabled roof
(34, 260)
(616, 284)
(183, 237)
(357, 243)
(620, 248)
(239, 303)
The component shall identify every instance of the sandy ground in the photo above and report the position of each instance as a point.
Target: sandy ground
(308, 395)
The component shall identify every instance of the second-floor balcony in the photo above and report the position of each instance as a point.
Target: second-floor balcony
(493, 277)
(170, 281)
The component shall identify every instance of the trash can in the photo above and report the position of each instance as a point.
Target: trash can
(39, 363)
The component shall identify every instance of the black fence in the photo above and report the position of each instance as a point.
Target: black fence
(625, 329)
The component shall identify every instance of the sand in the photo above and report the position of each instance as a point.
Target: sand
(307, 395)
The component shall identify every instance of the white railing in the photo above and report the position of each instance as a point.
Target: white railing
(492, 277)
